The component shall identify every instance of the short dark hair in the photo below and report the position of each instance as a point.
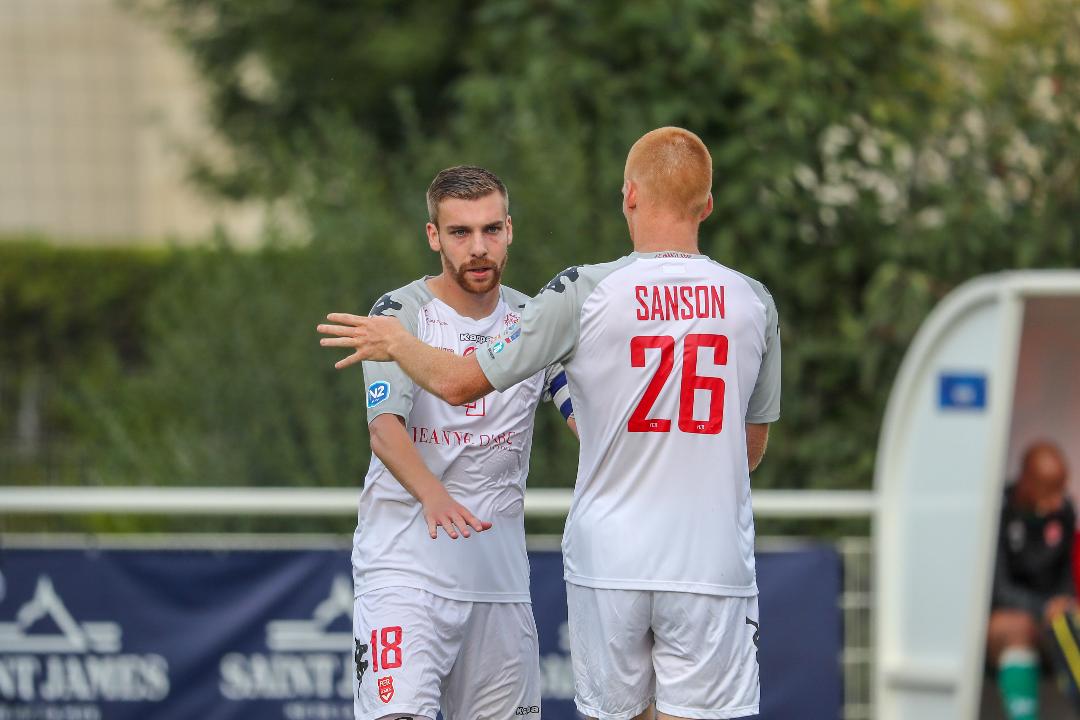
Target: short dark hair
(463, 182)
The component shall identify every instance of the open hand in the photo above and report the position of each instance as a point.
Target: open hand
(370, 337)
(452, 515)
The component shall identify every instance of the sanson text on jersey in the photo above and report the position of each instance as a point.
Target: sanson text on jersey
(679, 302)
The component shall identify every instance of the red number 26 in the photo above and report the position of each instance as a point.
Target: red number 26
(691, 382)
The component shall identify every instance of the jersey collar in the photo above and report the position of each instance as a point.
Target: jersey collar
(665, 254)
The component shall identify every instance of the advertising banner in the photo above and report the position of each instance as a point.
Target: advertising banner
(124, 634)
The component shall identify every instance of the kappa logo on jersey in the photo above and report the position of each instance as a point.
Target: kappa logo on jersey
(385, 303)
(386, 688)
(757, 637)
(377, 392)
(556, 284)
(361, 663)
(474, 338)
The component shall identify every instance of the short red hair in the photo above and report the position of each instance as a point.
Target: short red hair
(673, 169)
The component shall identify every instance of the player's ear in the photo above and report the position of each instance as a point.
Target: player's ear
(708, 209)
(433, 237)
(509, 230)
(629, 191)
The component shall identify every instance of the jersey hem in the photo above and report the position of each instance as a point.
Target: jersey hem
(395, 709)
(663, 585)
(373, 413)
(486, 597)
(695, 714)
(594, 712)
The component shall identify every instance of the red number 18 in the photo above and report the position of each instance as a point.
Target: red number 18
(391, 649)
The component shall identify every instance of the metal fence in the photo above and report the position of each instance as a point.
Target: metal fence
(856, 603)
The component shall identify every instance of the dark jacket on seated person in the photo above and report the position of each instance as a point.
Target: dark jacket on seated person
(1034, 556)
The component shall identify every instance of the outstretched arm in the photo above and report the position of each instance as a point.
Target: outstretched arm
(454, 379)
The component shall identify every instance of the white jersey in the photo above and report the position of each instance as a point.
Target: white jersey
(667, 356)
(480, 452)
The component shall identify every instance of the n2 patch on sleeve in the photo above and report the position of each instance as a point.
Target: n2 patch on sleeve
(377, 392)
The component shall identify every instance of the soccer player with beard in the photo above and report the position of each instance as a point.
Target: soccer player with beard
(442, 622)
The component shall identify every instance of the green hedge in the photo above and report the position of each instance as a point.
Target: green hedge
(70, 318)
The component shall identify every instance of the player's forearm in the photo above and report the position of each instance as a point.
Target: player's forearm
(454, 379)
(390, 443)
(757, 439)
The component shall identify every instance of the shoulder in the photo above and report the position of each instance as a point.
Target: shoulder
(581, 279)
(756, 286)
(403, 301)
(514, 299)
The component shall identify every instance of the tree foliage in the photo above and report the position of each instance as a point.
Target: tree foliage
(863, 168)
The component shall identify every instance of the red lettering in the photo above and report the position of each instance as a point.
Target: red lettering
(679, 302)
(685, 293)
(718, 300)
(701, 299)
(671, 303)
(640, 291)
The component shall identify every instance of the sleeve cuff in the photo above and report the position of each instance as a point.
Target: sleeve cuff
(498, 377)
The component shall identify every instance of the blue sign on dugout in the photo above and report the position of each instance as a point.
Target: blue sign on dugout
(962, 391)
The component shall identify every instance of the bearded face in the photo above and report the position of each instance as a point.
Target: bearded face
(478, 275)
(473, 239)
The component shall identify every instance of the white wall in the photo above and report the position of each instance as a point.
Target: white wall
(94, 106)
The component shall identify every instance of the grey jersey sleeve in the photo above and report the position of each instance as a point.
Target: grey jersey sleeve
(387, 388)
(764, 404)
(556, 390)
(547, 333)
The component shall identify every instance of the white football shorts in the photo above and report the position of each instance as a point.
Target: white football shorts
(416, 652)
(695, 655)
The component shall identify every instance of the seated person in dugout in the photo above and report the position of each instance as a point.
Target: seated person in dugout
(1033, 578)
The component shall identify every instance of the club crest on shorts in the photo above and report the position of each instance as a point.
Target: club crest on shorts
(377, 392)
(386, 688)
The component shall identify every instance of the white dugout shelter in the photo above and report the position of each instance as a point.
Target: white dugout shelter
(994, 367)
